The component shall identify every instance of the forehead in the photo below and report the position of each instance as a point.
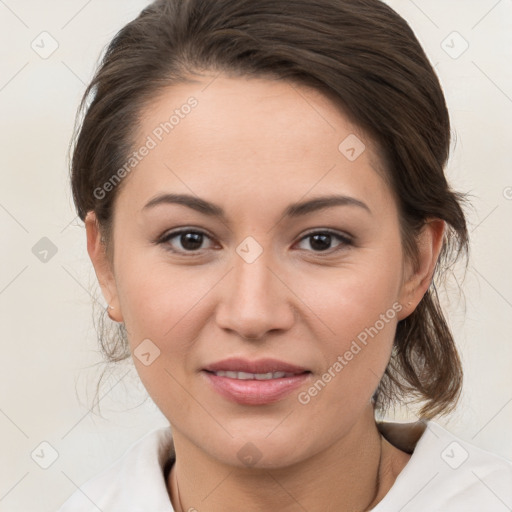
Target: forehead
(252, 138)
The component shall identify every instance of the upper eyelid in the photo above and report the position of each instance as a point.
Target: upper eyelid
(329, 231)
(179, 231)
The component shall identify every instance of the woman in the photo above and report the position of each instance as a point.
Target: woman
(263, 189)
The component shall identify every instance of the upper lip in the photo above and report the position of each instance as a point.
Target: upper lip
(258, 366)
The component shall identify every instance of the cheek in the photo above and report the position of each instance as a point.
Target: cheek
(353, 297)
(159, 300)
(160, 308)
(356, 309)
(355, 354)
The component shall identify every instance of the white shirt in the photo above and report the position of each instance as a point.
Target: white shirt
(444, 474)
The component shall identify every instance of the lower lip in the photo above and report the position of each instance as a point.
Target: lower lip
(255, 392)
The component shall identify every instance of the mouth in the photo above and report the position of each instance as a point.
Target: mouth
(260, 382)
(253, 376)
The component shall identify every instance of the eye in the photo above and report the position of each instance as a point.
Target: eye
(184, 240)
(320, 241)
(192, 241)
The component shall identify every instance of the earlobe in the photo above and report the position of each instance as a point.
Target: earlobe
(429, 244)
(102, 266)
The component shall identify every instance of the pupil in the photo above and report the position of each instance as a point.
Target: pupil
(191, 241)
(321, 242)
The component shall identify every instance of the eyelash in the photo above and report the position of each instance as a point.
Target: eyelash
(345, 241)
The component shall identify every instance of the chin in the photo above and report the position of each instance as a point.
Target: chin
(258, 445)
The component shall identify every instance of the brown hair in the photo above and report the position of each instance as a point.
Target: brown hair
(360, 52)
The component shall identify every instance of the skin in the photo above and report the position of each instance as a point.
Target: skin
(253, 147)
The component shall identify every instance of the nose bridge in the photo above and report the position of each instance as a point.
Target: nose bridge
(253, 279)
(255, 301)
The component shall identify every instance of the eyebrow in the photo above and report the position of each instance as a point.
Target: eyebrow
(294, 210)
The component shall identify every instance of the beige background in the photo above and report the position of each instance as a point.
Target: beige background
(48, 346)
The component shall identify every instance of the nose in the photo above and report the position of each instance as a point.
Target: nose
(255, 300)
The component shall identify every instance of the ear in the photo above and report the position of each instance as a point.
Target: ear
(417, 280)
(102, 266)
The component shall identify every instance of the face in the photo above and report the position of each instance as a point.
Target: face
(296, 298)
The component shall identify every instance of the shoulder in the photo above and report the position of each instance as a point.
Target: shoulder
(134, 483)
(446, 473)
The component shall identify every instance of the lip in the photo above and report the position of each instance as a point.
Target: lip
(255, 392)
(235, 364)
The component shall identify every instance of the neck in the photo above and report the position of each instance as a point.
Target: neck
(353, 474)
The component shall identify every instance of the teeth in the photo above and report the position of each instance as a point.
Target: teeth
(253, 376)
